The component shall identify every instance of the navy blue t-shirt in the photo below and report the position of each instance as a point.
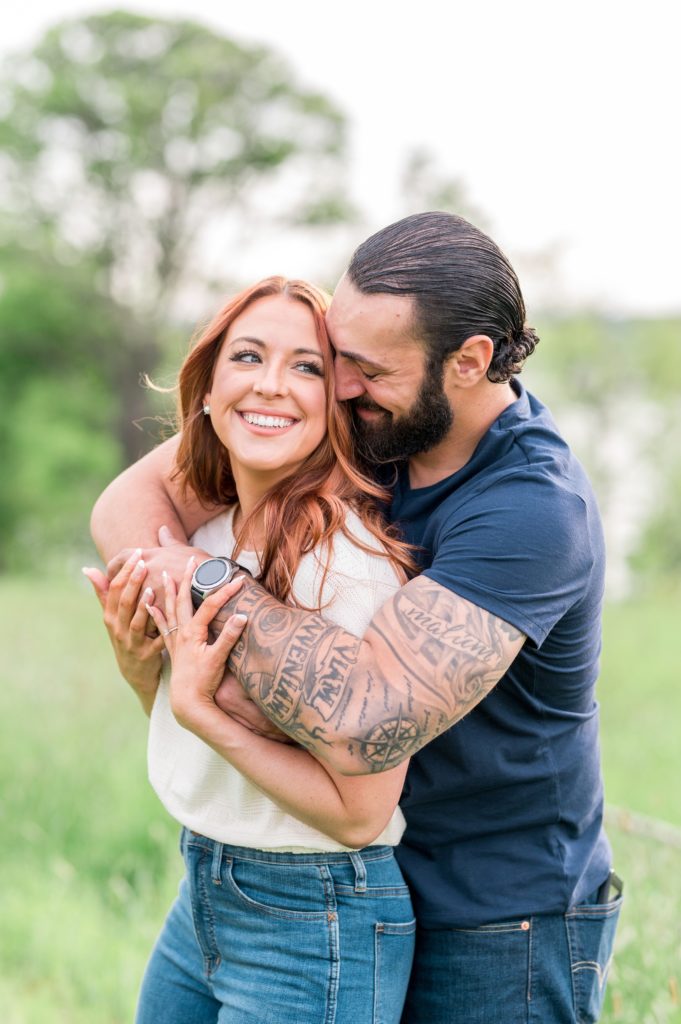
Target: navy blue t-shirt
(504, 810)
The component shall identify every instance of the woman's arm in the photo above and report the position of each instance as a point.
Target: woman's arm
(354, 811)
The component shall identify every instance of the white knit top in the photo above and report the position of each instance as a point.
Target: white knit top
(202, 790)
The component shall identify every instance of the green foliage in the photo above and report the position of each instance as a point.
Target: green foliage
(641, 705)
(89, 860)
(129, 145)
(615, 389)
(645, 977)
(126, 137)
(59, 350)
(587, 358)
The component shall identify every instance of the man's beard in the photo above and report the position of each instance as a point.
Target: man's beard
(418, 430)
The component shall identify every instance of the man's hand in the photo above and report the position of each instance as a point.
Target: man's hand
(231, 698)
(170, 556)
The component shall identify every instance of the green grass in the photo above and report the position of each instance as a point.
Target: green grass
(88, 858)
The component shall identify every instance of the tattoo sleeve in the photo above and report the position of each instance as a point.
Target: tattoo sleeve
(427, 658)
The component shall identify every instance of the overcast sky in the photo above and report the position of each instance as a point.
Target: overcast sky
(561, 120)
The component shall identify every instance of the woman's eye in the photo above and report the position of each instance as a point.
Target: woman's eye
(313, 368)
(246, 356)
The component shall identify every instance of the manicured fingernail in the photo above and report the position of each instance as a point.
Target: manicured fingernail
(135, 555)
(239, 619)
(148, 607)
(190, 562)
(86, 571)
(164, 576)
(139, 568)
(147, 595)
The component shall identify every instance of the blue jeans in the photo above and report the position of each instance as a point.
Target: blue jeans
(547, 969)
(257, 937)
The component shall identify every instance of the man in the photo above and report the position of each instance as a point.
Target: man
(482, 669)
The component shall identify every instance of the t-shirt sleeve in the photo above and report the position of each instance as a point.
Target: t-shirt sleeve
(521, 551)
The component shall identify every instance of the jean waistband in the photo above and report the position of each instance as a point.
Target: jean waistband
(212, 846)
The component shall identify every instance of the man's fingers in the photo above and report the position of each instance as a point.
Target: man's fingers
(119, 560)
(99, 581)
(166, 539)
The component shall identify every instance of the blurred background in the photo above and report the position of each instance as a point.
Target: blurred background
(155, 158)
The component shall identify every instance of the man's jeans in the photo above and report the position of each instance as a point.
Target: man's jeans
(547, 969)
(276, 938)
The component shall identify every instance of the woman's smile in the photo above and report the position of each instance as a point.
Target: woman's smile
(267, 422)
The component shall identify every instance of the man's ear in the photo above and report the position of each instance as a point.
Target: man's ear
(469, 364)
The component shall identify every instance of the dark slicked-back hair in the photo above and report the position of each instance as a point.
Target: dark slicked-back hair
(461, 283)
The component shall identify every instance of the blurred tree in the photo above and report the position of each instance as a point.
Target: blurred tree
(59, 347)
(129, 144)
(424, 186)
(615, 388)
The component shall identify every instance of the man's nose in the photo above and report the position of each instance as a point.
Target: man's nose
(349, 383)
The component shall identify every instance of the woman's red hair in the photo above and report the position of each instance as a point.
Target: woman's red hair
(308, 507)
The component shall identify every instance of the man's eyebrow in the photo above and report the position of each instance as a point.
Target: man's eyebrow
(262, 344)
(358, 358)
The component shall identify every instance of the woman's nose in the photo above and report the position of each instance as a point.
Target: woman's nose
(271, 382)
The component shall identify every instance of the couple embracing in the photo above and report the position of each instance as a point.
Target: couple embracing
(370, 676)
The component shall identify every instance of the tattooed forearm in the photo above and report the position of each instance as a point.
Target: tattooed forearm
(428, 657)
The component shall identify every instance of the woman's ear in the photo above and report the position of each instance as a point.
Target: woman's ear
(206, 404)
(469, 364)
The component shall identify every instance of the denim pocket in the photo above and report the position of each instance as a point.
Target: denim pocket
(283, 890)
(393, 955)
(591, 936)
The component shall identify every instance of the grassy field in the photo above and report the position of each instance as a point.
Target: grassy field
(88, 858)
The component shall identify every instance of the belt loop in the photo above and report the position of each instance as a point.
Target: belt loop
(360, 871)
(215, 866)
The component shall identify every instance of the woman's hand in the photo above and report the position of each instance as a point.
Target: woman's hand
(197, 665)
(134, 637)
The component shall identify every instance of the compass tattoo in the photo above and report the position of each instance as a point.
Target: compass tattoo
(390, 742)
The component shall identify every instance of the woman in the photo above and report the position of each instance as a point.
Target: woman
(293, 907)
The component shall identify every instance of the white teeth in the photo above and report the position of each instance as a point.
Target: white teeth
(266, 421)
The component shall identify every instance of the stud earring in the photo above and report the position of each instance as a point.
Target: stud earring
(206, 409)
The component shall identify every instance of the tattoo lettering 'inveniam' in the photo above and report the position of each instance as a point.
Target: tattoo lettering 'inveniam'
(317, 681)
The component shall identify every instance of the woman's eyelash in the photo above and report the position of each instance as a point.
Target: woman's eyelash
(238, 356)
(311, 368)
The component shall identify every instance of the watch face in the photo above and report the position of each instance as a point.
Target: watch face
(211, 573)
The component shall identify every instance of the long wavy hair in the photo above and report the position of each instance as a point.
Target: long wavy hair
(305, 509)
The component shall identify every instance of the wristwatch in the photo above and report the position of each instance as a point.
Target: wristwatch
(211, 575)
